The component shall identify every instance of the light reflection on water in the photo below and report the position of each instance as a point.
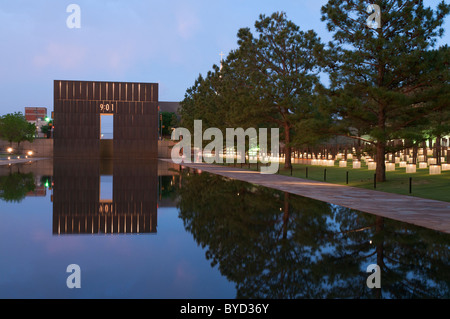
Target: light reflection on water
(162, 233)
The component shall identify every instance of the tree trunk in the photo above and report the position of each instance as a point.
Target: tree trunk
(415, 150)
(438, 150)
(381, 146)
(287, 148)
(424, 150)
(381, 165)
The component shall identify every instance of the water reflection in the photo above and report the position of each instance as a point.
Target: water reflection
(15, 186)
(168, 264)
(104, 197)
(268, 243)
(29, 179)
(276, 245)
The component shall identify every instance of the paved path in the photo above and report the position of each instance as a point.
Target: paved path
(427, 213)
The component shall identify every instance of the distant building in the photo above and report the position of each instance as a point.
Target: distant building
(39, 191)
(33, 114)
(169, 107)
(36, 115)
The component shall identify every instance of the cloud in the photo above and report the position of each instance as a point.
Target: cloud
(61, 55)
(188, 23)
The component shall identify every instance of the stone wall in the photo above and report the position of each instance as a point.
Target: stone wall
(44, 147)
(165, 148)
(40, 147)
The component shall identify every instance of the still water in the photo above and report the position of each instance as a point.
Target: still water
(154, 230)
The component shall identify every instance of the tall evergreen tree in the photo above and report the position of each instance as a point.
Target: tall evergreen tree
(202, 102)
(380, 78)
(270, 79)
(437, 123)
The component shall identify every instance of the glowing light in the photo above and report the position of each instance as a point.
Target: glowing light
(411, 168)
(372, 165)
(390, 167)
(329, 162)
(30, 153)
(10, 150)
(435, 169)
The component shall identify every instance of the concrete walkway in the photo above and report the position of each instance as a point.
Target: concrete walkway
(427, 213)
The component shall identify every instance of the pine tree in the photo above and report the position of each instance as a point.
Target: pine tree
(380, 79)
(437, 123)
(203, 102)
(270, 79)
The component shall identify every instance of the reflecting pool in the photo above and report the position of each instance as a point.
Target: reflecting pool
(157, 230)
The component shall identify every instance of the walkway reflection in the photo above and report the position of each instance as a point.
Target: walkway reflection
(81, 205)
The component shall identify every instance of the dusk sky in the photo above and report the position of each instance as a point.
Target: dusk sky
(168, 42)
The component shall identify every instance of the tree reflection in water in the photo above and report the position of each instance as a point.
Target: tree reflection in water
(277, 245)
(15, 186)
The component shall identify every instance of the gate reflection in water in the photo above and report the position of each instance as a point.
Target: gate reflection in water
(78, 206)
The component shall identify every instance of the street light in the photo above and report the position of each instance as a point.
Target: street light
(10, 150)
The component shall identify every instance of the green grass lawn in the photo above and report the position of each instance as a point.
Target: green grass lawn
(424, 185)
